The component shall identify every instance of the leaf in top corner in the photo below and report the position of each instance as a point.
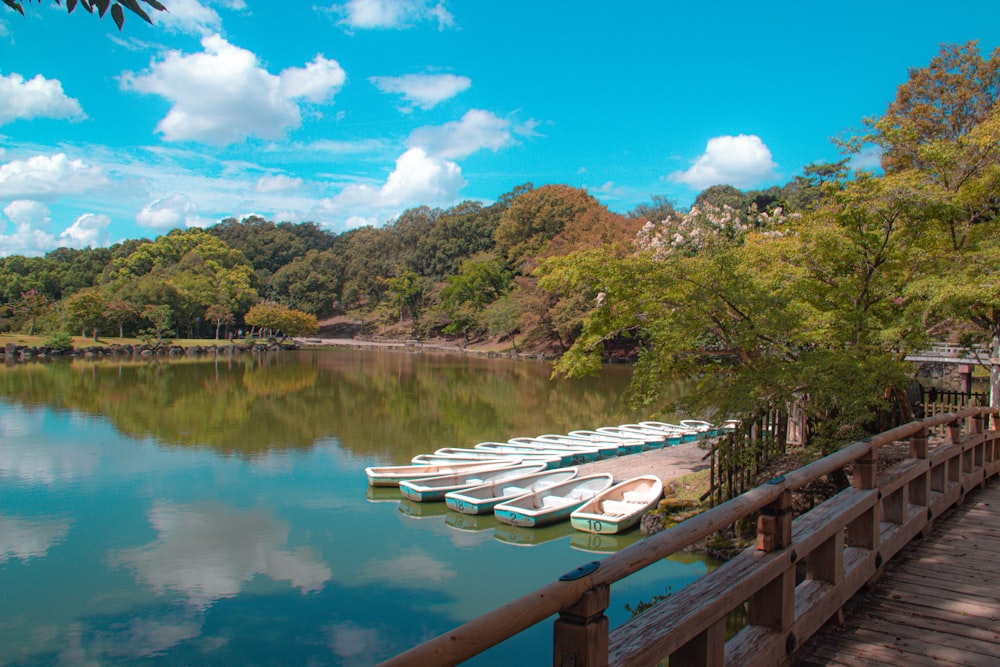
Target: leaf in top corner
(134, 6)
(155, 5)
(16, 6)
(102, 6)
(70, 6)
(118, 15)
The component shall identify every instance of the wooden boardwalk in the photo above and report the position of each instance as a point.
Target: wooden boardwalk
(937, 604)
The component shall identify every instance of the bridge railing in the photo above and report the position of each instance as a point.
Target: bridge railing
(799, 574)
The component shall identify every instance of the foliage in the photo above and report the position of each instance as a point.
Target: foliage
(274, 317)
(60, 340)
(117, 8)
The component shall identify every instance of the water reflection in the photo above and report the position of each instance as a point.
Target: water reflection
(389, 404)
(23, 538)
(208, 552)
(216, 511)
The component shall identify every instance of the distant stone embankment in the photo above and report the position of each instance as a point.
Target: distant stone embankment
(13, 352)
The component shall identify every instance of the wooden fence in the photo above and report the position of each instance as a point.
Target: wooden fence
(799, 574)
(738, 458)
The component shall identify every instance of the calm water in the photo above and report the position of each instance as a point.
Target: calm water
(217, 512)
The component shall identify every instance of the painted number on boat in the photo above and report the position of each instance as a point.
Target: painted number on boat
(594, 525)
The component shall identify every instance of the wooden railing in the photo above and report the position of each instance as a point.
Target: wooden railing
(799, 574)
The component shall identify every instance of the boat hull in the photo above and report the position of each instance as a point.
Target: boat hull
(619, 508)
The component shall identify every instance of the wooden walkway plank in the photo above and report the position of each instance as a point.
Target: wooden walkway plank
(939, 604)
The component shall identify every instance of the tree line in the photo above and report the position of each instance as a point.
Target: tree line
(468, 271)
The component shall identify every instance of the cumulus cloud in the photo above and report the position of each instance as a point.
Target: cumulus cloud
(279, 183)
(741, 161)
(423, 90)
(36, 98)
(417, 179)
(222, 95)
(189, 17)
(90, 230)
(45, 177)
(31, 236)
(476, 130)
(170, 212)
(394, 14)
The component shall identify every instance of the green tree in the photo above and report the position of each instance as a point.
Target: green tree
(84, 310)
(30, 306)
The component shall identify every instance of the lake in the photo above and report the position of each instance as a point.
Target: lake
(216, 511)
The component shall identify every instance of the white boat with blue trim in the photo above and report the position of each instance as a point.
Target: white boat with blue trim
(620, 507)
(433, 489)
(552, 504)
(482, 499)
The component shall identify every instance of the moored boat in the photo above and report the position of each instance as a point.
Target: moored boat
(583, 454)
(552, 504)
(652, 440)
(431, 489)
(605, 448)
(703, 428)
(567, 457)
(625, 445)
(393, 475)
(687, 434)
(477, 454)
(620, 507)
(482, 499)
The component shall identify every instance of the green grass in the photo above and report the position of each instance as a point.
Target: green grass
(88, 341)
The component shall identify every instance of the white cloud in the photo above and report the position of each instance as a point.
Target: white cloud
(31, 236)
(43, 177)
(36, 98)
(423, 90)
(413, 569)
(741, 161)
(868, 158)
(394, 14)
(222, 95)
(188, 16)
(170, 212)
(476, 130)
(417, 179)
(90, 230)
(279, 183)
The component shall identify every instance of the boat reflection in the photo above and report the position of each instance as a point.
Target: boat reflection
(530, 537)
(471, 522)
(421, 510)
(383, 494)
(595, 543)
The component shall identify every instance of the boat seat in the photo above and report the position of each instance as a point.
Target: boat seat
(635, 497)
(477, 482)
(580, 494)
(616, 507)
(514, 490)
(554, 501)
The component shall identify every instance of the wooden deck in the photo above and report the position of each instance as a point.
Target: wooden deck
(937, 604)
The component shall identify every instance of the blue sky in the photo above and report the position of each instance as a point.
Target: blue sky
(348, 113)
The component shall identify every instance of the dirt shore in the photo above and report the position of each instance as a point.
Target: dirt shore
(667, 463)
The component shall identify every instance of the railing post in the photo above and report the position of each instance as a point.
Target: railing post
(920, 487)
(581, 631)
(773, 606)
(774, 526)
(863, 531)
(708, 649)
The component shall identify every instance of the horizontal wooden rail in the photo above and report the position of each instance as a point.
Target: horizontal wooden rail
(844, 542)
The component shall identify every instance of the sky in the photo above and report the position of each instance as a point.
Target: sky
(348, 113)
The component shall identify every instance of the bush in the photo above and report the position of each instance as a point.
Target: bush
(60, 340)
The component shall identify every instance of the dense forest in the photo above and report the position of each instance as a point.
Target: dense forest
(809, 293)
(467, 271)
